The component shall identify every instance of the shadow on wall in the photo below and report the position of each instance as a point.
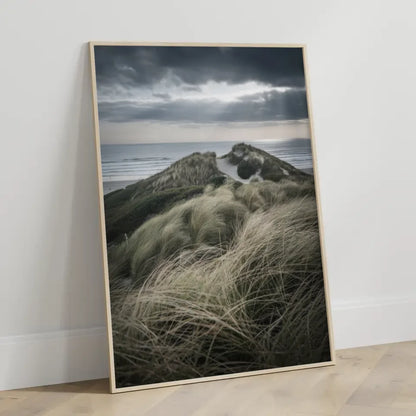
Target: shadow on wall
(68, 292)
(83, 300)
(63, 306)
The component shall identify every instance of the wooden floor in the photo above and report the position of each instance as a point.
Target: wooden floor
(371, 381)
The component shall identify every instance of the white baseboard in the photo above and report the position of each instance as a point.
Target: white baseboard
(74, 355)
(372, 322)
(53, 357)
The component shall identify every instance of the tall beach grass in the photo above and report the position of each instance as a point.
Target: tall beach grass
(229, 281)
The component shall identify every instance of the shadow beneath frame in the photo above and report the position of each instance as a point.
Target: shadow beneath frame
(100, 386)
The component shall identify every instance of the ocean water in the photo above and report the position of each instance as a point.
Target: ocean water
(125, 163)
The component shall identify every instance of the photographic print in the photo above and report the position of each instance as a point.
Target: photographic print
(210, 217)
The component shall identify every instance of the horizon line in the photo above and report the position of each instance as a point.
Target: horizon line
(213, 141)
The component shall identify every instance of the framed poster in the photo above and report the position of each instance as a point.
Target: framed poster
(211, 231)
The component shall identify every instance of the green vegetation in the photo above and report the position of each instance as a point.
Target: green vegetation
(250, 160)
(138, 210)
(126, 209)
(245, 169)
(214, 276)
(271, 172)
(208, 220)
(226, 282)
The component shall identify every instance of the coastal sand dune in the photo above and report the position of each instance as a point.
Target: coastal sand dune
(214, 273)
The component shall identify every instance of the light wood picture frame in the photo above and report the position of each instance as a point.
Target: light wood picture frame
(212, 238)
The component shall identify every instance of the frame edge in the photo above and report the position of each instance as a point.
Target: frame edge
(319, 207)
(113, 387)
(102, 218)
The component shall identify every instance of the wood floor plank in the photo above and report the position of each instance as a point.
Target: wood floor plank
(127, 404)
(332, 389)
(406, 398)
(37, 404)
(186, 400)
(370, 381)
(240, 396)
(385, 383)
(350, 410)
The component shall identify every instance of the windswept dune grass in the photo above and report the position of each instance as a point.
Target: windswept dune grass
(127, 209)
(263, 195)
(230, 281)
(208, 220)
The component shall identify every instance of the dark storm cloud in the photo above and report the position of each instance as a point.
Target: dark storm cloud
(161, 95)
(191, 88)
(146, 65)
(127, 75)
(267, 106)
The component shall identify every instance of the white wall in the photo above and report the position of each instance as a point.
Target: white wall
(363, 82)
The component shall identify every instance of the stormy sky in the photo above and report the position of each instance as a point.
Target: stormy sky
(162, 94)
